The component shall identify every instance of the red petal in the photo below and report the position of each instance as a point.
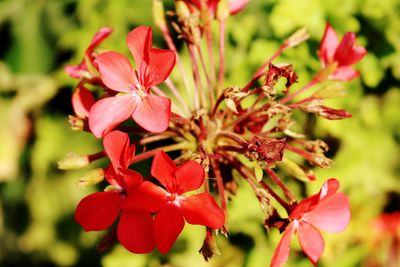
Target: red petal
(331, 214)
(189, 176)
(139, 42)
(116, 144)
(130, 179)
(311, 242)
(163, 169)
(109, 112)
(82, 101)
(147, 197)
(344, 73)
(347, 53)
(160, 66)
(153, 113)
(115, 70)
(202, 209)
(328, 45)
(281, 253)
(98, 211)
(168, 224)
(136, 231)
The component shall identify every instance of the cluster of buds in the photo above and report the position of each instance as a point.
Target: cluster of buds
(216, 136)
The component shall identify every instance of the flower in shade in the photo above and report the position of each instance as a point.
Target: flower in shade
(174, 207)
(98, 211)
(343, 54)
(328, 210)
(134, 98)
(79, 71)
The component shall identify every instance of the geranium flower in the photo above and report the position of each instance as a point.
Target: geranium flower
(80, 70)
(98, 211)
(235, 6)
(327, 210)
(343, 54)
(174, 207)
(134, 98)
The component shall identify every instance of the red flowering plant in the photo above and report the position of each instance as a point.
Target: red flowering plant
(217, 137)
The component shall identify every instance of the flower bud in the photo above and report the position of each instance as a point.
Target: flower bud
(223, 10)
(209, 248)
(298, 37)
(158, 14)
(330, 90)
(295, 170)
(73, 161)
(91, 178)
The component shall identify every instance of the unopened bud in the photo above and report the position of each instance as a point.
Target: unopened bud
(182, 10)
(295, 170)
(159, 14)
(92, 177)
(298, 37)
(321, 161)
(223, 10)
(77, 124)
(330, 90)
(73, 161)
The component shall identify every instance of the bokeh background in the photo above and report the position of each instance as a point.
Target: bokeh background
(37, 201)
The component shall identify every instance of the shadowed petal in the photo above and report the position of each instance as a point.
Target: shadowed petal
(136, 231)
(115, 70)
(82, 101)
(168, 224)
(163, 169)
(189, 176)
(202, 209)
(147, 197)
(332, 213)
(130, 179)
(109, 112)
(281, 253)
(311, 242)
(99, 37)
(153, 113)
(98, 211)
(328, 45)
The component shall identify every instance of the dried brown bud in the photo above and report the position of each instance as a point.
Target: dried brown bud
(316, 107)
(268, 150)
(209, 248)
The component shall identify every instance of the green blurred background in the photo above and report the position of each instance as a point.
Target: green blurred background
(37, 201)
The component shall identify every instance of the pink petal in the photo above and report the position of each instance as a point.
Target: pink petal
(331, 214)
(281, 253)
(115, 70)
(311, 242)
(136, 231)
(116, 144)
(139, 41)
(344, 73)
(235, 6)
(82, 101)
(76, 71)
(189, 176)
(328, 45)
(153, 113)
(98, 211)
(168, 224)
(347, 52)
(329, 188)
(163, 169)
(99, 37)
(202, 209)
(147, 197)
(108, 112)
(160, 66)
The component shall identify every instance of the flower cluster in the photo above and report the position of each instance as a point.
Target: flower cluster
(217, 139)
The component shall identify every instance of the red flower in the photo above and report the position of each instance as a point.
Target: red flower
(99, 211)
(134, 100)
(327, 210)
(343, 54)
(235, 6)
(79, 71)
(174, 207)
